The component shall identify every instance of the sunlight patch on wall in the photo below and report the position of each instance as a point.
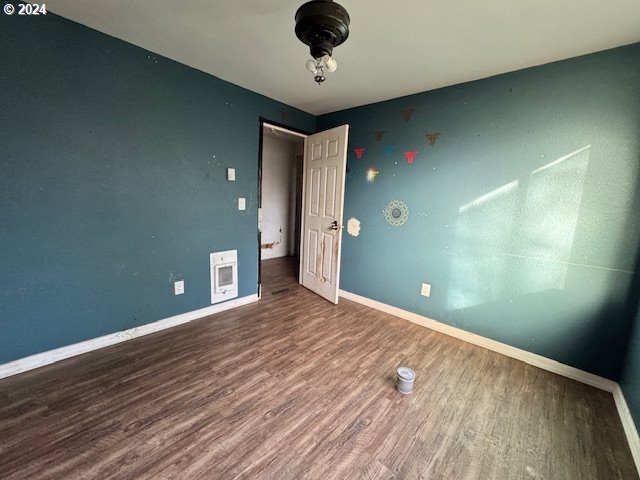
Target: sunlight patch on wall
(518, 239)
(549, 223)
(482, 232)
(488, 197)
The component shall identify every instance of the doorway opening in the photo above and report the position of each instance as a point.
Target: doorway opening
(280, 206)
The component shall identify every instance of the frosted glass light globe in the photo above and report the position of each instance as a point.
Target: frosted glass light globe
(311, 65)
(331, 64)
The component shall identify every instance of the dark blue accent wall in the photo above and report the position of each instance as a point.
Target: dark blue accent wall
(112, 183)
(523, 215)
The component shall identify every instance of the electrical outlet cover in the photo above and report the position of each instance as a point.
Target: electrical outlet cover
(178, 287)
(426, 290)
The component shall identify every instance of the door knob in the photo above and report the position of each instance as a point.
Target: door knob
(335, 226)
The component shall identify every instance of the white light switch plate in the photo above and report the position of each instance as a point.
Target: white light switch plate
(426, 290)
(242, 203)
(178, 287)
(231, 174)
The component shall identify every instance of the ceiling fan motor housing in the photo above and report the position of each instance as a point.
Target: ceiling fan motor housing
(322, 24)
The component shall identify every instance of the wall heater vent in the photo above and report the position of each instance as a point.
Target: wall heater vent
(224, 275)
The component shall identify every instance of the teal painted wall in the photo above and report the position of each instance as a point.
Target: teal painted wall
(523, 215)
(630, 381)
(112, 183)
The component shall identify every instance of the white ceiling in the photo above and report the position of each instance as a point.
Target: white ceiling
(395, 48)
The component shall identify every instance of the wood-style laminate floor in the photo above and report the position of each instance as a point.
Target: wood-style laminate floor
(293, 387)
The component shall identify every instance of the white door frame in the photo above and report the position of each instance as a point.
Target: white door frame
(266, 124)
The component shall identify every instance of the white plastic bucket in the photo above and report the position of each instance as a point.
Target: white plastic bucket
(405, 377)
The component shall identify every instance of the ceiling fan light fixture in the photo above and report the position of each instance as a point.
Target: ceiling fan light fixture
(322, 25)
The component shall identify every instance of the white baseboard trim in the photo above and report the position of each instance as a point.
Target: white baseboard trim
(628, 424)
(52, 356)
(513, 352)
(531, 358)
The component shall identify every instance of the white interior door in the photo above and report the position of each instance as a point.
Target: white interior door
(325, 162)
